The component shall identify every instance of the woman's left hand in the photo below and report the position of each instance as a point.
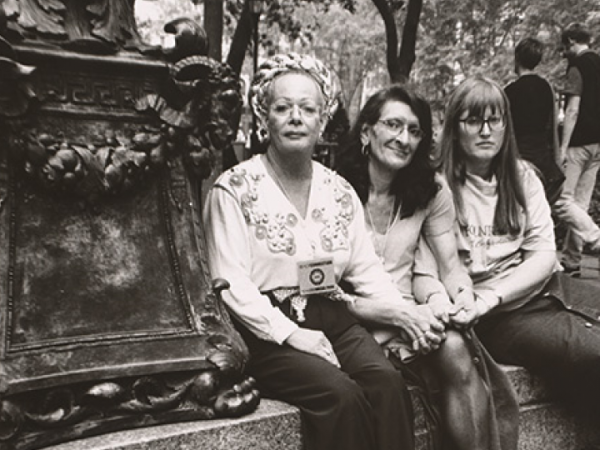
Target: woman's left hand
(466, 309)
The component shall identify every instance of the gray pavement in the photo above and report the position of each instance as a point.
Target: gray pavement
(590, 267)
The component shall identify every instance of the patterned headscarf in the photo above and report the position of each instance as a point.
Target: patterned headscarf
(289, 63)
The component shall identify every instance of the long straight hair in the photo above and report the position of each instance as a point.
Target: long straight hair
(414, 185)
(475, 95)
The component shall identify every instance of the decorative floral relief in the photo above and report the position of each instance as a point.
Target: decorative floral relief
(207, 91)
(112, 164)
(97, 26)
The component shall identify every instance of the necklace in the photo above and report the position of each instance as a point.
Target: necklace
(380, 250)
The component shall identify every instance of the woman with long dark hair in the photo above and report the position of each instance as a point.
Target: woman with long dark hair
(387, 160)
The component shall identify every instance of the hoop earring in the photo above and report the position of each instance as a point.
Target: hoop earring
(365, 150)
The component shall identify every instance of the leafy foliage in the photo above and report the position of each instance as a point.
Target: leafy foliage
(460, 38)
(455, 39)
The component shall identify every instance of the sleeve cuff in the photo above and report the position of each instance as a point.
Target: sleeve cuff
(282, 328)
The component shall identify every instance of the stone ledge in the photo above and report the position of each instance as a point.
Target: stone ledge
(277, 426)
(548, 426)
(273, 426)
(529, 388)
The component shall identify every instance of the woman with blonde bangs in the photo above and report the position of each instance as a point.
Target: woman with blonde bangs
(481, 97)
(526, 312)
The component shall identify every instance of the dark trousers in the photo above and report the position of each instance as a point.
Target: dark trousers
(362, 406)
(556, 336)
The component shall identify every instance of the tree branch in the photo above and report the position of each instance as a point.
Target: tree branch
(241, 39)
(213, 24)
(391, 34)
(407, 56)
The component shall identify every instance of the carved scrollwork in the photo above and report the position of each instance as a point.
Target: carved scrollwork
(198, 112)
(201, 392)
(204, 123)
(92, 127)
(11, 420)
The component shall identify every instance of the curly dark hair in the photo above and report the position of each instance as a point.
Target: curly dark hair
(414, 185)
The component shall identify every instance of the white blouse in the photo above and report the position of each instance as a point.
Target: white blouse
(256, 238)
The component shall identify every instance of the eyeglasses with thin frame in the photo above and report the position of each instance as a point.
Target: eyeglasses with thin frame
(397, 127)
(474, 124)
(306, 109)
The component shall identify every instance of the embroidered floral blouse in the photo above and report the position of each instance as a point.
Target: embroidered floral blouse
(256, 237)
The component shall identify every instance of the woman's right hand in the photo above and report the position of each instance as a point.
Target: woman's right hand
(442, 307)
(313, 342)
(424, 329)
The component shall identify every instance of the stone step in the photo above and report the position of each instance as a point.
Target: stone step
(276, 426)
(273, 426)
(547, 426)
(529, 389)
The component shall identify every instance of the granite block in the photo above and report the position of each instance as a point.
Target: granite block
(548, 426)
(276, 426)
(529, 388)
(273, 426)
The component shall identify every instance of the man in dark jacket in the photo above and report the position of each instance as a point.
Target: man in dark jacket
(532, 107)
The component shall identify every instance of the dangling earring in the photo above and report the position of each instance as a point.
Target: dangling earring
(262, 134)
(366, 149)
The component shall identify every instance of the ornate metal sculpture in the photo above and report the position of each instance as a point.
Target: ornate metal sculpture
(108, 318)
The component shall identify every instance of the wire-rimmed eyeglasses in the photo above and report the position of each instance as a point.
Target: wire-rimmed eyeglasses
(397, 127)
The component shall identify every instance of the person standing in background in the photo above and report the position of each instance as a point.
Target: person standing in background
(533, 111)
(580, 144)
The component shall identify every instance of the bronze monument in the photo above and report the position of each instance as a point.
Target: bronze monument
(108, 316)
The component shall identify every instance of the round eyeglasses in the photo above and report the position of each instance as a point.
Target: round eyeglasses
(474, 124)
(397, 127)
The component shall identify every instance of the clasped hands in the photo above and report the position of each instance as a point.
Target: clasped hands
(425, 324)
(468, 306)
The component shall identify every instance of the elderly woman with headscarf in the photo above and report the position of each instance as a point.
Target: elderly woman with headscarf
(285, 231)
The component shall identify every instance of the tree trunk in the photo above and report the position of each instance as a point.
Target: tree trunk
(406, 57)
(235, 59)
(213, 24)
(241, 39)
(391, 35)
(400, 62)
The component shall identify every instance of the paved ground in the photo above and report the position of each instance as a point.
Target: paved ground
(590, 268)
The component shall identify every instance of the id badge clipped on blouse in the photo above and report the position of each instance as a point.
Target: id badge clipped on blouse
(316, 276)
